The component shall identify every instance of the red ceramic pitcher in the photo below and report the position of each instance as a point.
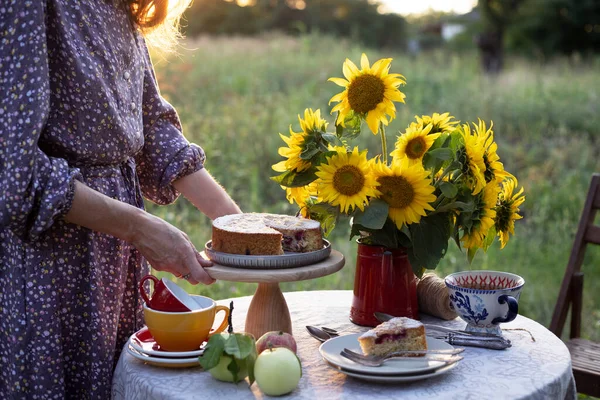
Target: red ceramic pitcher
(384, 282)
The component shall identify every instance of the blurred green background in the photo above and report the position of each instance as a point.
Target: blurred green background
(236, 91)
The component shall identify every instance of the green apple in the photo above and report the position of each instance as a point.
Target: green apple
(221, 372)
(277, 371)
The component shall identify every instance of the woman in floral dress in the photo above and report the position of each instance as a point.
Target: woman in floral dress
(84, 134)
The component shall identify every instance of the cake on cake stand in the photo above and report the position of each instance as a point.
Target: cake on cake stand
(268, 309)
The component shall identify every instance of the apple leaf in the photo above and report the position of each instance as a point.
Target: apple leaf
(234, 368)
(212, 352)
(239, 345)
(250, 360)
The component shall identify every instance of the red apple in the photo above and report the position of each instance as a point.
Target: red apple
(275, 339)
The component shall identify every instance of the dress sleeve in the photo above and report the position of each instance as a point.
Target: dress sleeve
(36, 189)
(166, 155)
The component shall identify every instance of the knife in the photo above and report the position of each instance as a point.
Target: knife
(383, 317)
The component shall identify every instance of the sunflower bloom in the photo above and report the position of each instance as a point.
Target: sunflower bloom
(369, 92)
(494, 169)
(483, 216)
(471, 158)
(301, 195)
(507, 210)
(414, 143)
(311, 123)
(406, 189)
(346, 180)
(441, 123)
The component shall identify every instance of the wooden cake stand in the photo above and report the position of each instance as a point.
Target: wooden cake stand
(268, 310)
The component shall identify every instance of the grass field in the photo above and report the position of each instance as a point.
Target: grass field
(234, 95)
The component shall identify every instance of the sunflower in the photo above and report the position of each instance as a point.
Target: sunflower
(494, 169)
(369, 92)
(470, 155)
(301, 195)
(507, 210)
(441, 122)
(483, 216)
(414, 143)
(346, 180)
(311, 124)
(406, 189)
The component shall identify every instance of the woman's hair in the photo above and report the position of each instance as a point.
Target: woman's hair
(158, 19)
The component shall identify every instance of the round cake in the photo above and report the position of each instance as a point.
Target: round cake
(265, 234)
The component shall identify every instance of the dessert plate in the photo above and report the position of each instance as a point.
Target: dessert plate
(143, 342)
(395, 378)
(330, 351)
(162, 361)
(287, 260)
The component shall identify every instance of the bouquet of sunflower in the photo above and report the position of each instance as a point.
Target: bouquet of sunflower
(441, 180)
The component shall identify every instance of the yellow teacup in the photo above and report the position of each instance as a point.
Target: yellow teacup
(185, 331)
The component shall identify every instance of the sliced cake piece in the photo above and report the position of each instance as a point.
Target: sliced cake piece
(397, 334)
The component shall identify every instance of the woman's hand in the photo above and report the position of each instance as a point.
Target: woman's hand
(168, 249)
(165, 247)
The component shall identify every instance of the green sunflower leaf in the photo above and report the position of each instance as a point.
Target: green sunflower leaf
(326, 214)
(471, 254)
(374, 215)
(448, 189)
(415, 264)
(332, 139)
(321, 158)
(430, 239)
(489, 238)
(443, 154)
(456, 205)
(352, 127)
(296, 179)
(309, 152)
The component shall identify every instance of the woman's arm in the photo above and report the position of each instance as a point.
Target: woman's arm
(165, 247)
(206, 194)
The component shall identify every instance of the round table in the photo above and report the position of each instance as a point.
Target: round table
(527, 370)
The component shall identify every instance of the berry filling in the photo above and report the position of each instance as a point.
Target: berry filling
(386, 337)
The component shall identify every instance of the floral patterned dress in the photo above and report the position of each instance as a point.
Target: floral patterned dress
(79, 102)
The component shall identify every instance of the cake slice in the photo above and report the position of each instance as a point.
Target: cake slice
(397, 334)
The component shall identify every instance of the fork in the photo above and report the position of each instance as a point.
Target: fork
(407, 353)
(376, 361)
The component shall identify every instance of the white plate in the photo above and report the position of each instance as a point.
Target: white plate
(143, 342)
(164, 362)
(395, 378)
(287, 260)
(330, 350)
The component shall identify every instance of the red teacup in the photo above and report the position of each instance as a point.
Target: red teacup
(167, 296)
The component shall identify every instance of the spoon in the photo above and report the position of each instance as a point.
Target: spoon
(317, 333)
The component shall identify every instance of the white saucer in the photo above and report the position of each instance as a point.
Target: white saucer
(144, 343)
(330, 350)
(164, 362)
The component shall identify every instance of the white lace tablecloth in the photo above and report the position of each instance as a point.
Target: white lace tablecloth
(531, 370)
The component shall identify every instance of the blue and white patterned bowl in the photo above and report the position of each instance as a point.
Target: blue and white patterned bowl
(484, 299)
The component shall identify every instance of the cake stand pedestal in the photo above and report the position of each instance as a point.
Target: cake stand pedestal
(268, 310)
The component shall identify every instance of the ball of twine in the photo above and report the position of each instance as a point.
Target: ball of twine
(433, 297)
